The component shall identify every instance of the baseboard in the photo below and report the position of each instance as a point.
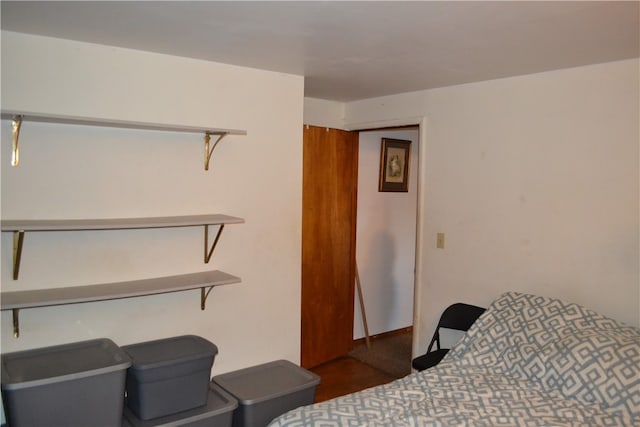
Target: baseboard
(401, 331)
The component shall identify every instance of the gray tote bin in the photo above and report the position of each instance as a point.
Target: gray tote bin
(168, 375)
(217, 412)
(77, 384)
(266, 391)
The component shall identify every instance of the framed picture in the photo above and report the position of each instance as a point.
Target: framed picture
(394, 165)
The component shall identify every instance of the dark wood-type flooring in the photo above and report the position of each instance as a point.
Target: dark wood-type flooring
(347, 374)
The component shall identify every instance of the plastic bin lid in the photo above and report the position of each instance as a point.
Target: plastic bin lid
(218, 403)
(59, 363)
(268, 381)
(169, 351)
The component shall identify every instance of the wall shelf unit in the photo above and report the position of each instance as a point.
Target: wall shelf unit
(20, 227)
(18, 300)
(19, 118)
(205, 281)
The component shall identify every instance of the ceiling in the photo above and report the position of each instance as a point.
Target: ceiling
(350, 50)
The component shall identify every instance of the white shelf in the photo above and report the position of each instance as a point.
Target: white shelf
(109, 291)
(19, 227)
(121, 124)
(116, 223)
(19, 118)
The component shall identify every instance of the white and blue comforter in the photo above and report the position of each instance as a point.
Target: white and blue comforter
(527, 361)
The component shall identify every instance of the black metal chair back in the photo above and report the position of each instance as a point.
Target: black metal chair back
(458, 316)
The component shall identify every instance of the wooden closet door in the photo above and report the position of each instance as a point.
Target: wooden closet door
(330, 176)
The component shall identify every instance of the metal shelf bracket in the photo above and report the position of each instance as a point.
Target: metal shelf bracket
(16, 323)
(203, 296)
(208, 148)
(18, 240)
(208, 252)
(15, 154)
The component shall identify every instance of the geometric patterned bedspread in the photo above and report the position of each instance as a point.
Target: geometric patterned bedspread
(527, 361)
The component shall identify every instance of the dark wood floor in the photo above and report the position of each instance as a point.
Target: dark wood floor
(346, 375)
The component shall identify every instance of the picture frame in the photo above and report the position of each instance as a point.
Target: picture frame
(394, 165)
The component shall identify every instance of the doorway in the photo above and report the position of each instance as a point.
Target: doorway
(386, 252)
(332, 170)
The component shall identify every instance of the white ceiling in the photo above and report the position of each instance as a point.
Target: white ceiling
(349, 50)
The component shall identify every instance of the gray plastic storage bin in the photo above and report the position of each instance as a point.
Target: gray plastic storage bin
(216, 413)
(77, 384)
(168, 375)
(267, 391)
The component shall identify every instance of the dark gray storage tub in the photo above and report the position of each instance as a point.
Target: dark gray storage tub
(217, 412)
(267, 391)
(77, 384)
(168, 375)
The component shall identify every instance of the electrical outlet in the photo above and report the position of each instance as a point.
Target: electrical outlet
(440, 241)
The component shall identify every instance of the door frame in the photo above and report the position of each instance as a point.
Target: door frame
(409, 127)
(419, 287)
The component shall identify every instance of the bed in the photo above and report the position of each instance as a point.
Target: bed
(527, 361)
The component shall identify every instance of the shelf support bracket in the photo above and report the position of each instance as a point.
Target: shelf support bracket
(15, 154)
(18, 240)
(208, 148)
(203, 296)
(16, 322)
(208, 252)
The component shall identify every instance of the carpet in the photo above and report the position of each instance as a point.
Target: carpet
(388, 353)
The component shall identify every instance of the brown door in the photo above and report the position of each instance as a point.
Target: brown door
(330, 176)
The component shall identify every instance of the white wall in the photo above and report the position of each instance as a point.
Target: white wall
(84, 172)
(386, 239)
(535, 181)
(324, 113)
